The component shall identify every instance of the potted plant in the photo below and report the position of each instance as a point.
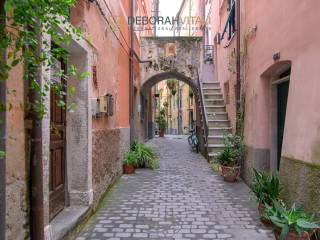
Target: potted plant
(161, 121)
(229, 167)
(146, 157)
(266, 188)
(130, 162)
(230, 157)
(190, 93)
(171, 83)
(291, 224)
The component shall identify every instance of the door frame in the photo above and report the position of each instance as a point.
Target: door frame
(275, 81)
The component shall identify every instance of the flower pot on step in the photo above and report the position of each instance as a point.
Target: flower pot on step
(128, 169)
(230, 174)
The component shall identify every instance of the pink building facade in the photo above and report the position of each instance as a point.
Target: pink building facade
(279, 90)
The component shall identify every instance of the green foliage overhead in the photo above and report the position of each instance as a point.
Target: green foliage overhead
(21, 38)
(291, 220)
(266, 187)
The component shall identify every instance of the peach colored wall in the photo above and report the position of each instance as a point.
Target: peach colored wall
(289, 27)
(112, 60)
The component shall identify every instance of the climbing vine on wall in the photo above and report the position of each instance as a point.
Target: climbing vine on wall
(244, 67)
(21, 39)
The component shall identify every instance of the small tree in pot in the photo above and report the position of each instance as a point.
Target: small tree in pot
(161, 121)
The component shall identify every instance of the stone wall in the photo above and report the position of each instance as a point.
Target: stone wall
(257, 158)
(106, 160)
(304, 187)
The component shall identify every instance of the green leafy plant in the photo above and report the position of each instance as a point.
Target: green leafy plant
(146, 157)
(2, 155)
(22, 39)
(237, 144)
(131, 158)
(227, 157)
(161, 121)
(266, 187)
(291, 220)
(171, 83)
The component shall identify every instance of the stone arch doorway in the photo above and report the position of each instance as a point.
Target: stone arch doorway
(148, 93)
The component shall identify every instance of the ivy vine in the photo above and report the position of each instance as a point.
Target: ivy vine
(22, 41)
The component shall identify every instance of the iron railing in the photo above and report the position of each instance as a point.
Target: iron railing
(203, 111)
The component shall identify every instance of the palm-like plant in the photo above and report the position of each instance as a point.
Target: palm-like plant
(293, 220)
(226, 157)
(146, 157)
(266, 187)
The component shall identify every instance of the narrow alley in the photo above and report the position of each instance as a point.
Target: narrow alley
(184, 199)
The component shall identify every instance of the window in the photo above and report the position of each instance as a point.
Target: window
(231, 21)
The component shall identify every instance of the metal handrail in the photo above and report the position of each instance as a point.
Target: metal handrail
(203, 109)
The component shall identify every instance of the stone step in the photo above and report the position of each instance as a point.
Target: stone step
(215, 148)
(215, 139)
(214, 102)
(217, 116)
(210, 96)
(211, 90)
(210, 84)
(215, 108)
(219, 130)
(218, 123)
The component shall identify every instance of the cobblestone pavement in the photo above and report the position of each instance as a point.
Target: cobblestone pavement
(184, 199)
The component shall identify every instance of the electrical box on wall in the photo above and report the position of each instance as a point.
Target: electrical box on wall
(103, 104)
(95, 107)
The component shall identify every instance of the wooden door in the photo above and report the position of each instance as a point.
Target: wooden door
(57, 148)
(283, 90)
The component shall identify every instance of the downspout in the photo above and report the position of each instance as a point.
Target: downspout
(36, 168)
(131, 93)
(238, 85)
(2, 139)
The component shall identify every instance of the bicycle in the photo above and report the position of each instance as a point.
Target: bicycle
(193, 141)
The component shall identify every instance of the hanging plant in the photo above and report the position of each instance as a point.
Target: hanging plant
(173, 91)
(171, 83)
(190, 93)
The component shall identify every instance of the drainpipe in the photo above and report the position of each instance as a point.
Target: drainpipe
(131, 89)
(36, 167)
(238, 85)
(2, 141)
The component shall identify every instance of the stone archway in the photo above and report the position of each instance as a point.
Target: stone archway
(152, 81)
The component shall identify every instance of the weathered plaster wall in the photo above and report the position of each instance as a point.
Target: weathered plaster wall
(106, 164)
(16, 163)
(281, 27)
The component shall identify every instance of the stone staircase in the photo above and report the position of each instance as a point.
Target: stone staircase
(218, 123)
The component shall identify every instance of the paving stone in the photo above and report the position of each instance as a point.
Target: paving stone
(184, 199)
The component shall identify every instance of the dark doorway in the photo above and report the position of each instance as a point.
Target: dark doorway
(57, 147)
(282, 96)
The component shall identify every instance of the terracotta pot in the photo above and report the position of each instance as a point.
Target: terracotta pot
(292, 235)
(161, 133)
(230, 174)
(128, 169)
(262, 210)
